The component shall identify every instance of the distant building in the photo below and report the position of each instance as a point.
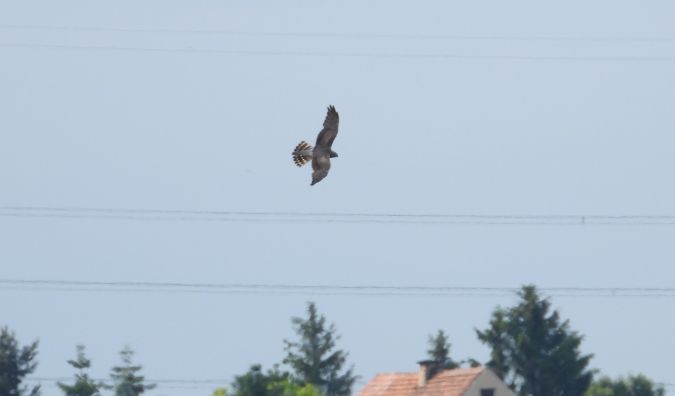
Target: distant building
(433, 381)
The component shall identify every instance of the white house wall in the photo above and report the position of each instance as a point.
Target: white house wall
(486, 380)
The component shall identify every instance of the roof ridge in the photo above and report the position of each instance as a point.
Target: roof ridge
(479, 368)
(397, 373)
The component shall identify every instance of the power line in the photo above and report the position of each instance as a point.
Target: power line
(344, 35)
(155, 380)
(200, 383)
(162, 383)
(323, 289)
(317, 54)
(329, 217)
(258, 292)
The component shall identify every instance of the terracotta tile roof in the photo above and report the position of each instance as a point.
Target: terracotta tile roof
(445, 383)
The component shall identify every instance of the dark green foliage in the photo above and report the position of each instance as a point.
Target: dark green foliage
(288, 387)
(534, 351)
(15, 364)
(314, 359)
(83, 386)
(126, 381)
(439, 350)
(635, 385)
(255, 382)
(273, 383)
(498, 338)
(473, 362)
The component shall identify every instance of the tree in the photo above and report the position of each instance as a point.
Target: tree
(636, 385)
(534, 351)
(288, 387)
(255, 382)
(83, 386)
(497, 337)
(220, 392)
(15, 364)
(125, 379)
(314, 359)
(439, 350)
(273, 383)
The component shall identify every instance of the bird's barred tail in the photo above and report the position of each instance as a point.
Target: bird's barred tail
(302, 153)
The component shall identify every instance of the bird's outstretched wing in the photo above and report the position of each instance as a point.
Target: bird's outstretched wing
(320, 165)
(319, 175)
(330, 129)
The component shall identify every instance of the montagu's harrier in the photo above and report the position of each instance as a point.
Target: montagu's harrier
(321, 153)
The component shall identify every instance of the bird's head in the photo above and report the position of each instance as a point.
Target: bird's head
(333, 154)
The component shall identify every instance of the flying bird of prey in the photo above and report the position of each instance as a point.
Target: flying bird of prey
(321, 153)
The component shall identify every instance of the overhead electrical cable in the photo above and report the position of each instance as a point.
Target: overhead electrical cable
(169, 383)
(344, 54)
(323, 289)
(342, 35)
(329, 217)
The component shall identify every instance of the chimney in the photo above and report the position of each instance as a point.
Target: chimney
(427, 370)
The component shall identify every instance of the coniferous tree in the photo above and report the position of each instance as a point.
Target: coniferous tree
(83, 386)
(273, 383)
(126, 381)
(315, 359)
(535, 351)
(635, 385)
(255, 382)
(439, 350)
(15, 364)
(498, 338)
(288, 387)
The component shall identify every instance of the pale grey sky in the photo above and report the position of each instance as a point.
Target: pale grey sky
(549, 109)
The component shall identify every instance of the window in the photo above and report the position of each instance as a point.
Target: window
(487, 392)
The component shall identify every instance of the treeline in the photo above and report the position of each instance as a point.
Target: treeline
(18, 362)
(532, 349)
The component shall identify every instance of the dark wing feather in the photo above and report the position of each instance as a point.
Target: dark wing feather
(319, 175)
(320, 165)
(330, 129)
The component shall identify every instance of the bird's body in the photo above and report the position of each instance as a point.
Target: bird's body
(322, 152)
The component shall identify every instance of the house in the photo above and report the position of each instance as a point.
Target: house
(433, 381)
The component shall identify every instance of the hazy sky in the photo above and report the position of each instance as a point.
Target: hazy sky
(483, 107)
